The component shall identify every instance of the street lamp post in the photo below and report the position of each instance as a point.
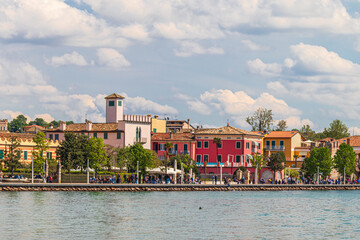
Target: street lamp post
(137, 172)
(87, 172)
(32, 170)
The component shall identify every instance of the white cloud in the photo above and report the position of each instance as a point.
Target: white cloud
(191, 48)
(354, 131)
(313, 73)
(73, 58)
(259, 67)
(47, 117)
(111, 58)
(239, 105)
(296, 122)
(146, 106)
(253, 46)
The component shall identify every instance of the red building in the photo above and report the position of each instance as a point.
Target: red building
(236, 148)
(183, 143)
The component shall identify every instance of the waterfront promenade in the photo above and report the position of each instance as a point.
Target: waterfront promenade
(170, 187)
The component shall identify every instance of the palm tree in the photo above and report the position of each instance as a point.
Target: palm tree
(296, 158)
(217, 141)
(168, 146)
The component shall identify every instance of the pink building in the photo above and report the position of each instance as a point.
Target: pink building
(183, 143)
(236, 148)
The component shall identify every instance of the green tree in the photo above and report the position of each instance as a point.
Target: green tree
(96, 153)
(70, 153)
(39, 122)
(319, 157)
(281, 126)
(261, 120)
(217, 141)
(187, 162)
(18, 124)
(258, 161)
(123, 157)
(276, 162)
(12, 155)
(42, 145)
(337, 130)
(143, 156)
(307, 132)
(345, 158)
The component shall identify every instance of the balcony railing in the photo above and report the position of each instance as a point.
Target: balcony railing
(276, 148)
(140, 140)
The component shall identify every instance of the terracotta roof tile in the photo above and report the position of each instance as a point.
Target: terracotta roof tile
(114, 95)
(96, 127)
(281, 134)
(175, 137)
(226, 130)
(23, 136)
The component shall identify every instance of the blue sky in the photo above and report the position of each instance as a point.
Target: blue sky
(210, 61)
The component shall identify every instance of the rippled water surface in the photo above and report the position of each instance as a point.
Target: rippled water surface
(176, 215)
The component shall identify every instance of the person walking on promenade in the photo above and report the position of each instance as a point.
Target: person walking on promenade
(213, 179)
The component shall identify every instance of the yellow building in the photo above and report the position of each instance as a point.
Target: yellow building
(288, 142)
(26, 146)
(299, 155)
(158, 125)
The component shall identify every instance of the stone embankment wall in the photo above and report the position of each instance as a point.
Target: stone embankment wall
(166, 188)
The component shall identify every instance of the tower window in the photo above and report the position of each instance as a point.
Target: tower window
(118, 135)
(111, 103)
(119, 103)
(105, 135)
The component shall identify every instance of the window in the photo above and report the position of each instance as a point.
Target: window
(237, 158)
(1, 154)
(186, 149)
(281, 145)
(206, 144)
(273, 144)
(219, 145)
(49, 155)
(162, 146)
(198, 158)
(154, 130)
(119, 103)
(238, 145)
(267, 144)
(56, 137)
(111, 103)
(25, 155)
(105, 135)
(118, 135)
(51, 137)
(206, 158)
(219, 158)
(247, 145)
(18, 154)
(198, 144)
(95, 135)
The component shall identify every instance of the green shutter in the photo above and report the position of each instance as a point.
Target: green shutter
(111, 103)
(105, 135)
(25, 155)
(119, 103)
(1, 154)
(118, 135)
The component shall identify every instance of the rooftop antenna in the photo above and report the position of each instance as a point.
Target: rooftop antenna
(85, 117)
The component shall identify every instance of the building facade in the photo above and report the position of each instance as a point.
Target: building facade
(158, 125)
(26, 147)
(119, 130)
(178, 126)
(183, 143)
(236, 149)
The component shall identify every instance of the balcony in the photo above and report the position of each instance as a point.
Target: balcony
(140, 140)
(275, 148)
(186, 152)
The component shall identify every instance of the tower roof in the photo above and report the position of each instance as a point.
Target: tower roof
(114, 95)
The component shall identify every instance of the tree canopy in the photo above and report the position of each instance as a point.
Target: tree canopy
(261, 120)
(276, 162)
(345, 157)
(319, 157)
(12, 155)
(281, 126)
(42, 145)
(337, 130)
(17, 124)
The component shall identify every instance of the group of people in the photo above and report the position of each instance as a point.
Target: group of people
(150, 179)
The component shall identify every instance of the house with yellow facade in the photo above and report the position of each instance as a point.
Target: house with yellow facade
(289, 142)
(158, 125)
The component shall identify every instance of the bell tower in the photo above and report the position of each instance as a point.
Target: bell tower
(114, 108)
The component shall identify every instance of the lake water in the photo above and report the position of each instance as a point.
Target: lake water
(176, 215)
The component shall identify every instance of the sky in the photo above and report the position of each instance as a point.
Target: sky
(211, 61)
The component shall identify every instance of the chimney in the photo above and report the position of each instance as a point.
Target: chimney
(228, 124)
(171, 135)
(88, 125)
(156, 116)
(62, 126)
(188, 121)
